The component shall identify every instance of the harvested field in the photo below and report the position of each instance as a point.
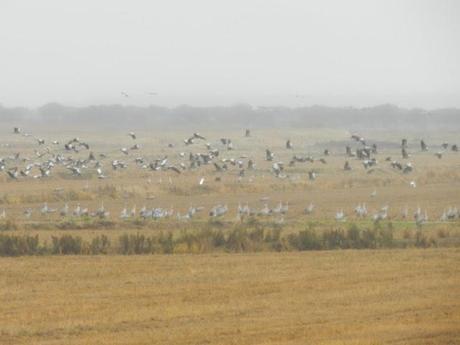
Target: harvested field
(333, 297)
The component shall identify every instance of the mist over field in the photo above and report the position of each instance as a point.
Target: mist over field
(230, 172)
(381, 117)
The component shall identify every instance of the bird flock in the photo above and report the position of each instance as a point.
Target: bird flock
(78, 158)
(243, 211)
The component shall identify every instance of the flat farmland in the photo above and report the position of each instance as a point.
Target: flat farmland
(407, 296)
(243, 293)
(136, 186)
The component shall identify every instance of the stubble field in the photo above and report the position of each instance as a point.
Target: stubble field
(407, 296)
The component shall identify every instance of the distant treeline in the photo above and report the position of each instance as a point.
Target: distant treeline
(237, 116)
(240, 239)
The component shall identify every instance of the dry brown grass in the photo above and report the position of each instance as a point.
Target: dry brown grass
(438, 184)
(343, 297)
(340, 297)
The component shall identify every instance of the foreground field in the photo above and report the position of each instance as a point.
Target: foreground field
(341, 297)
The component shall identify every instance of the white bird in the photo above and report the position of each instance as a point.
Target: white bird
(382, 214)
(183, 218)
(28, 213)
(64, 211)
(340, 216)
(419, 217)
(443, 217)
(45, 209)
(277, 209)
(243, 211)
(309, 209)
(124, 214)
(218, 210)
(101, 212)
(361, 210)
(265, 211)
(285, 208)
(133, 212)
(77, 211)
(100, 174)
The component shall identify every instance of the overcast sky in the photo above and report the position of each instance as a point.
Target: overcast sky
(215, 52)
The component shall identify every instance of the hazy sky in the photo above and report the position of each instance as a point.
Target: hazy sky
(214, 52)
